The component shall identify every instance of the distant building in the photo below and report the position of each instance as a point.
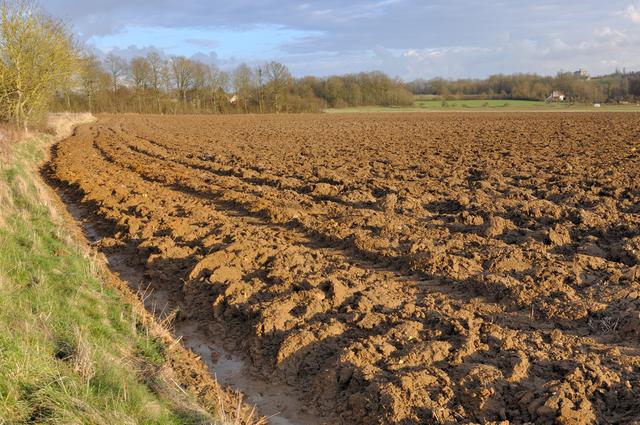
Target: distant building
(581, 73)
(233, 99)
(556, 96)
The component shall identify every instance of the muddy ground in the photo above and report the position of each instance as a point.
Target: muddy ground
(397, 268)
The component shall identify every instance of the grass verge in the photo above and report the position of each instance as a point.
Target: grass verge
(74, 347)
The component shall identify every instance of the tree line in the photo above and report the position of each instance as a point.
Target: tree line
(616, 87)
(153, 84)
(42, 68)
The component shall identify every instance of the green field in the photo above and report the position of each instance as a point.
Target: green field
(478, 103)
(426, 104)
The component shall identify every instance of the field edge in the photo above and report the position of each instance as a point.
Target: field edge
(76, 344)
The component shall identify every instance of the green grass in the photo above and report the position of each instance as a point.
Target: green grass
(71, 351)
(429, 104)
(478, 103)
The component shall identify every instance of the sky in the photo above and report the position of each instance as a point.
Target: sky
(406, 38)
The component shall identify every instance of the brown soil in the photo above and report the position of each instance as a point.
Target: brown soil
(391, 268)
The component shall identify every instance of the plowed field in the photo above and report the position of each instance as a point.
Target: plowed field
(398, 268)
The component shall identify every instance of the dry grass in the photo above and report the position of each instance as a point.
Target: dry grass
(239, 415)
(82, 358)
(62, 124)
(9, 137)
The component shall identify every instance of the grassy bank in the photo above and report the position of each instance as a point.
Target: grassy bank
(72, 349)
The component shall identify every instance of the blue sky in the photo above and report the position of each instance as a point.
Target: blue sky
(406, 38)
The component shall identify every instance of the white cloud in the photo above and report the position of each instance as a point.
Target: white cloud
(633, 14)
(609, 36)
(409, 38)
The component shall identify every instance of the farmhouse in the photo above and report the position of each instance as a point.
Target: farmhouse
(556, 96)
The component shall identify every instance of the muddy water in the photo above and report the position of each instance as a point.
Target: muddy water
(276, 402)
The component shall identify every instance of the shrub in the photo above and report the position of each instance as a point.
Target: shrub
(37, 56)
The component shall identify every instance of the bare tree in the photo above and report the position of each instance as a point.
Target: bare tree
(279, 78)
(217, 80)
(243, 83)
(260, 79)
(182, 70)
(166, 77)
(156, 65)
(141, 77)
(140, 72)
(116, 67)
(93, 80)
(199, 72)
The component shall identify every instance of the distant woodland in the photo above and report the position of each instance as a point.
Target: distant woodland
(617, 87)
(152, 84)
